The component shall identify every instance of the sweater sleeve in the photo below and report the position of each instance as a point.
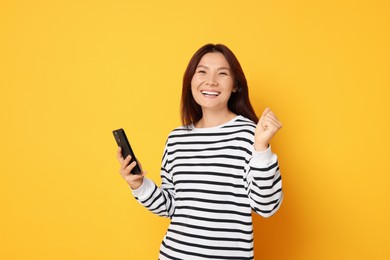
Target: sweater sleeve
(158, 200)
(264, 182)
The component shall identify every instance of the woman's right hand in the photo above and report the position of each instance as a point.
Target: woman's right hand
(134, 180)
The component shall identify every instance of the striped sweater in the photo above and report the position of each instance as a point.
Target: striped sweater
(212, 179)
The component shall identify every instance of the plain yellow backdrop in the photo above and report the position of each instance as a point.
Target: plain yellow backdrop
(72, 71)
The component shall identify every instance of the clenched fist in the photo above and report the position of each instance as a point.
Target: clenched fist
(266, 128)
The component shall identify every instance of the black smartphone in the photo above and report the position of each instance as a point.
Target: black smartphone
(123, 142)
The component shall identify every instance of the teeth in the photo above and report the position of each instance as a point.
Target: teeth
(204, 92)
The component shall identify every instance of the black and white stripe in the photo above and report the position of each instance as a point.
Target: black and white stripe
(211, 181)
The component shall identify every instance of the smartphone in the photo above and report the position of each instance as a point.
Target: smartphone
(123, 142)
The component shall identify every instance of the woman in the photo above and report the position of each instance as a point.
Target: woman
(216, 168)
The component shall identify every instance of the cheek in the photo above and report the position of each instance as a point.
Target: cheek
(193, 86)
(227, 87)
(194, 91)
(195, 82)
(229, 83)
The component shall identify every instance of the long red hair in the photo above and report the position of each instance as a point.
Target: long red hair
(238, 103)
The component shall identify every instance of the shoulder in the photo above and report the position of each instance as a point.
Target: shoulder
(243, 119)
(179, 131)
(241, 123)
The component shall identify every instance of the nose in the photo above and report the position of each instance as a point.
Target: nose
(211, 80)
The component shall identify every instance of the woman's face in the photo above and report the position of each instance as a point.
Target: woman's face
(213, 82)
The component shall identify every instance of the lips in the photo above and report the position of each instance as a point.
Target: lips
(210, 93)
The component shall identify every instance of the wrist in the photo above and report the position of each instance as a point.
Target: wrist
(134, 185)
(261, 147)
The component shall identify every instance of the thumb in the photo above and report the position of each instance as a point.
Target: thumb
(262, 118)
(266, 110)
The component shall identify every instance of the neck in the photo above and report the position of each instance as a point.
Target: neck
(214, 118)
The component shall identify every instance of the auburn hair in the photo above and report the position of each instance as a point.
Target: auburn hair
(238, 103)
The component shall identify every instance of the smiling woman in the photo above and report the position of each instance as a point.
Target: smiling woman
(217, 168)
(211, 86)
(223, 61)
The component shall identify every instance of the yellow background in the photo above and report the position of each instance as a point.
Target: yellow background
(71, 71)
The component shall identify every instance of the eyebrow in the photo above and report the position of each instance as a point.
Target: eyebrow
(221, 68)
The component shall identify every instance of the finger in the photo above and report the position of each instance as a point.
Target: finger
(273, 120)
(126, 169)
(272, 114)
(262, 118)
(272, 126)
(266, 110)
(261, 121)
(130, 167)
(141, 175)
(119, 155)
(125, 162)
(134, 177)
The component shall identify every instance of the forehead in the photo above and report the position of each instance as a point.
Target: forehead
(214, 60)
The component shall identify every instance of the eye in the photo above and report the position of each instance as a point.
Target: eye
(223, 73)
(201, 71)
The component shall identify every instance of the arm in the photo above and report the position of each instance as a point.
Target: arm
(264, 183)
(263, 174)
(161, 200)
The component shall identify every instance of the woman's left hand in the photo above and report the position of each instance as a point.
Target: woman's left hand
(266, 128)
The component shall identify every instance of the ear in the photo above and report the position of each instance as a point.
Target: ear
(235, 89)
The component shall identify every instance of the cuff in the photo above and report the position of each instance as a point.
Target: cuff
(145, 189)
(263, 157)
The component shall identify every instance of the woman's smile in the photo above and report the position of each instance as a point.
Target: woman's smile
(212, 83)
(210, 93)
